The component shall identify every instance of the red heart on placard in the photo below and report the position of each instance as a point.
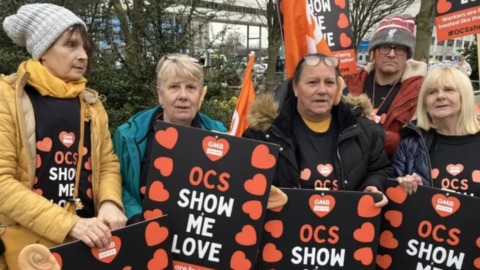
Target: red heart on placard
(364, 255)
(239, 261)
(85, 151)
(365, 234)
(262, 159)
(256, 186)
(476, 263)
(143, 190)
(167, 138)
(58, 258)
(367, 208)
(38, 191)
(253, 209)
(395, 218)
(108, 254)
(247, 237)
(343, 21)
(127, 268)
(152, 214)
(159, 261)
(478, 242)
(387, 240)
(454, 169)
(321, 206)
(38, 161)
(45, 145)
(325, 170)
(67, 138)
(476, 176)
(345, 41)
(435, 173)
(443, 6)
(305, 175)
(35, 181)
(397, 194)
(271, 254)
(90, 193)
(445, 206)
(155, 234)
(157, 192)
(164, 165)
(275, 228)
(384, 261)
(215, 149)
(341, 3)
(88, 164)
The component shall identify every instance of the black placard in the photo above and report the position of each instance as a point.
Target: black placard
(319, 230)
(145, 245)
(215, 189)
(431, 229)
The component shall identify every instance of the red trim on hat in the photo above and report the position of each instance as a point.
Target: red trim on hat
(397, 22)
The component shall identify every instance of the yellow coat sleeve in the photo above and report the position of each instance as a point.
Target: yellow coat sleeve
(110, 182)
(17, 201)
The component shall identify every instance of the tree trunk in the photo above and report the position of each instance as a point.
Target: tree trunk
(273, 52)
(425, 21)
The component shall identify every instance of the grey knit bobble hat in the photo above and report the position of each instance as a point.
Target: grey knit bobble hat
(397, 30)
(38, 26)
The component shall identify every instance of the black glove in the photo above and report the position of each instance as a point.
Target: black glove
(2, 247)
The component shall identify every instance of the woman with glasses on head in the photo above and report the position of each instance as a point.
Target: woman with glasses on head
(325, 142)
(440, 148)
(180, 94)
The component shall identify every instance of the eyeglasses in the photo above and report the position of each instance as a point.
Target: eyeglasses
(386, 49)
(174, 58)
(315, 59)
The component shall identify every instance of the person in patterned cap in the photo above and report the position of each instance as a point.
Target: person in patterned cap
(59, 177)
(391, 80)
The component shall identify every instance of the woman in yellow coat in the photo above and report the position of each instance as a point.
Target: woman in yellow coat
(59, 177)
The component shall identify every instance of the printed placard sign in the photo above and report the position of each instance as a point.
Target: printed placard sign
(215, 189)
(321, 230)
(457, 18)
(333, 18)
(431, 229)
(145, 245)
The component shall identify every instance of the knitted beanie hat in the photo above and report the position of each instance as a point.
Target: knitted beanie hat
(38, 26)
(397, 30)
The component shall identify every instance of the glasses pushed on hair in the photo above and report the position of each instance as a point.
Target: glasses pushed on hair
(174, 58)
(315, 59)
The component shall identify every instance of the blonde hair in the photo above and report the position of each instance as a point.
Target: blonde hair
(178, 66)
(449, 77)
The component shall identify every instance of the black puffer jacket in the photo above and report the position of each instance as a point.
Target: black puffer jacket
(360, 160)
(412, 155)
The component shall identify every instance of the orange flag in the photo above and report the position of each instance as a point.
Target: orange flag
(301, 33)
(247, 95)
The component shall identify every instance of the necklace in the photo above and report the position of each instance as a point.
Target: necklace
(384, 99)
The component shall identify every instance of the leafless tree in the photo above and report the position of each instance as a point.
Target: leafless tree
(425, 24)
(271, 20)
(365, 14)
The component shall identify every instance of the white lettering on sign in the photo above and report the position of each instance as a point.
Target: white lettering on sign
(437, 255)
(318, 256)
(190, 245)
(108, 251)
(210, 203)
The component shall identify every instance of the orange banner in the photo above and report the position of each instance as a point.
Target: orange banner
(458, 24)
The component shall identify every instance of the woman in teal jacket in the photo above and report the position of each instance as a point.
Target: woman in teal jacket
(180, 90)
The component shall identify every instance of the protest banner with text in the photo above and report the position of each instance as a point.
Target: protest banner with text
(321, 230)
(215, 189)
(431, 229)
(145, 245)
(457, 18)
